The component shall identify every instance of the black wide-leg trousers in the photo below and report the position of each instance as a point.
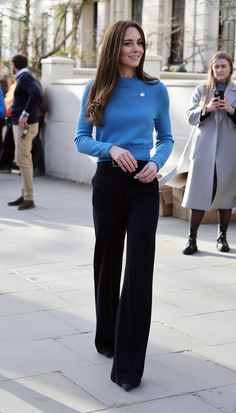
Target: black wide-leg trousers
(124, 206)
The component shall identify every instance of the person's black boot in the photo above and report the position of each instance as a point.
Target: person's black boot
(191, 245)
(221, 242)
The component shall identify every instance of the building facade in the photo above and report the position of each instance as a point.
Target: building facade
(182, 33)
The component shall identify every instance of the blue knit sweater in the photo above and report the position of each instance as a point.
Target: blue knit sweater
(134, 111)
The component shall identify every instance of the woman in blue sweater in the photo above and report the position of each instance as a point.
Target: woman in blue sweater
(125, 105)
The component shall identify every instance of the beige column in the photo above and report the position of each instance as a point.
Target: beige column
(127, 9)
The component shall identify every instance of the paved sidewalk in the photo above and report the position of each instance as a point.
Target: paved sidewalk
(48, 362)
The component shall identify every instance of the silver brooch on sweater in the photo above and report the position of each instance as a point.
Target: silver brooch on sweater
(142, 94)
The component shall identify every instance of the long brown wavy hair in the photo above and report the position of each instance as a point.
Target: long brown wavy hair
(107, 69)
(210, 83)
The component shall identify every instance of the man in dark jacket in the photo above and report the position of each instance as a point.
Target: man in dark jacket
(24, 113)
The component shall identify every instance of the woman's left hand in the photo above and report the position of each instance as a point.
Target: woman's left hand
(225, 105)
(148, 173)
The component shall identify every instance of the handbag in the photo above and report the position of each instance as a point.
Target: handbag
(173, 172)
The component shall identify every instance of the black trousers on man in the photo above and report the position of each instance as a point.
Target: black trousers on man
(124, 206)
(8, 147)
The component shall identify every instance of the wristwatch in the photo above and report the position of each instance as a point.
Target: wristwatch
(24, 113)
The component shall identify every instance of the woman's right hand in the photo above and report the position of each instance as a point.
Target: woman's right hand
(123, 158)
(213, 105)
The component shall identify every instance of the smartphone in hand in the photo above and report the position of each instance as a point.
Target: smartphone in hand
(219, 94)
(24, 131)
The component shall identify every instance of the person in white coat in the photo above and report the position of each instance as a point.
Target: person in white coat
(211, 181)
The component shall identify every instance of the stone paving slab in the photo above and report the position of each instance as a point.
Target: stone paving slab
(177, 404)
(29, 302)
(48, 363)
(80, 317)
(166, 375)
(31, 326)
(223, 354)
(46, 393)
(36, 358)
(205, 300)
(211, 328)
(196, 278)
(224, 398)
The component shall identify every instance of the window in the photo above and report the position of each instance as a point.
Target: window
(60, 21)
(44, 25)
(177, 32)
(95, 25)
(226, 29)
(20, 29)
(137, 9)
